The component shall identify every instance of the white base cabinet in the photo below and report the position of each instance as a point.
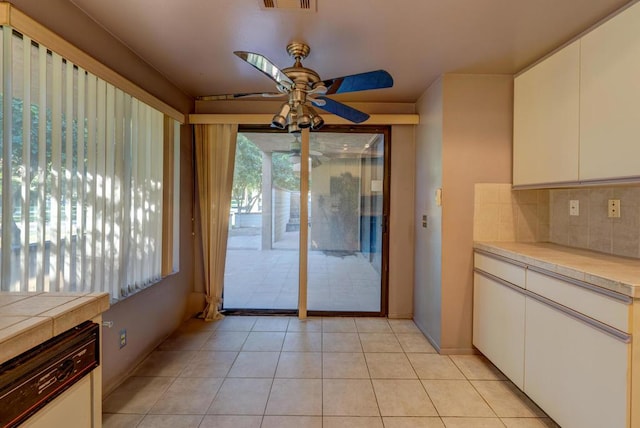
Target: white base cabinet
(564, 343)
(574, 372)
(498, 325)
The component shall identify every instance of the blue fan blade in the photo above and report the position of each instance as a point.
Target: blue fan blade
(359, 82)
(343, 110)
(262, 64)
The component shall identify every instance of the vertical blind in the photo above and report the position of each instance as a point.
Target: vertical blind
(82, 177)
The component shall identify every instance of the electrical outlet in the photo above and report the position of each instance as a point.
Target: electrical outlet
(614, 208)
(574, 207)
(123, 338)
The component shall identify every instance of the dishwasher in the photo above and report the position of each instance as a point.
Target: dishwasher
(36, 377)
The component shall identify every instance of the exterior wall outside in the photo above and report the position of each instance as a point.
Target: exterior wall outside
(281, 212)
(151, 315)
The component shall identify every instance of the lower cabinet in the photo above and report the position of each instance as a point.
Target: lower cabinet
(561, 342)
(575, 372)
(498, 325)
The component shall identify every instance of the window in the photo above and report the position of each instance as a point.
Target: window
(81, 166)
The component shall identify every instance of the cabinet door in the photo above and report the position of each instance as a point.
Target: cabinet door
(498, 326)
(546, 120)
(610, 98)
(576, 373)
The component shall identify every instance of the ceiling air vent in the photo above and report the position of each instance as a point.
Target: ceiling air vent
(302, 5)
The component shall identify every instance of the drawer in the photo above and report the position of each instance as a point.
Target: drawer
(604, 308)
(510, 272)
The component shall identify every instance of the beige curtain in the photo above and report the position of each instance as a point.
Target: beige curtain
(215, 158)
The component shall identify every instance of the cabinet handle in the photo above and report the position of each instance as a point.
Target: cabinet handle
(500, 281)
(598, 290)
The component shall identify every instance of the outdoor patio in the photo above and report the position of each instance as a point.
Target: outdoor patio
(268, 279)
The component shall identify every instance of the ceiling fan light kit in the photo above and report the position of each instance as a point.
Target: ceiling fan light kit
(304, 88)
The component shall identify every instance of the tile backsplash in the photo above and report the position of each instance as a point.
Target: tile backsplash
(503, 214)
(592, 228)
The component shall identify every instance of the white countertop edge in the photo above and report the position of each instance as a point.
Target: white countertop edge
(550, 262)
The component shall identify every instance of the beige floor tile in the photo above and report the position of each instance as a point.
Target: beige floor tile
(171, 421)
(348, 397)
(477, 367)
(187, 396)
(164, 363)
(434, 366)
(338, 325)
(380, 342)
(472, 423)
(302, 342)
(403, 326)
(254, 364)
(373, 325)
(402, 398)
(389, 365)
(241, 397)
(136, 395)
(209, 364)
(228, 421)
(415, 342)
(341, 342)
(271, 324)
(413, 422)
(352, 422)
(195, 325)
(529, 423)
(120, 420)
(292, 422)
(295, 397)
(344, 365)
(456, 398)
(506, 399)
(226, 341)
(306, 325)
(264, 341)
(236, 324)
(186, 341)
(302, 365)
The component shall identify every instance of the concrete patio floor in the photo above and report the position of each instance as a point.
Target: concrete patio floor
(268, 279)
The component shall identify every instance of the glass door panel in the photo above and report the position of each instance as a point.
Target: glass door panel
(261, 271)
(346, 222)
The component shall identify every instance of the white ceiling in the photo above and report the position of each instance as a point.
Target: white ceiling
(191, 41)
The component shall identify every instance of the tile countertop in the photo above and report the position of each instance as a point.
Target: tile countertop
(28, 319)
(619, 274)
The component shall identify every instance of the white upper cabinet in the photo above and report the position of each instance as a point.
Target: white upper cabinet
(610, 99)
(546, 120)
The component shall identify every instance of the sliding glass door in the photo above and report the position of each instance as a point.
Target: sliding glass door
(346, 236)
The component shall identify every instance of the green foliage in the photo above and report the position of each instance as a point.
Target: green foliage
(282, 172)
(247, 174)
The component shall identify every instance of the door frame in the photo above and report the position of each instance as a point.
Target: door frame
(384, 274)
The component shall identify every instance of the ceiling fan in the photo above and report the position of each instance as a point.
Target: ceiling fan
(304, 88)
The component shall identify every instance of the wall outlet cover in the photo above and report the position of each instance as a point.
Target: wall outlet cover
(123, 338)
(613, 209)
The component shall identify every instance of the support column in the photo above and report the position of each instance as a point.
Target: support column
(267, 202)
